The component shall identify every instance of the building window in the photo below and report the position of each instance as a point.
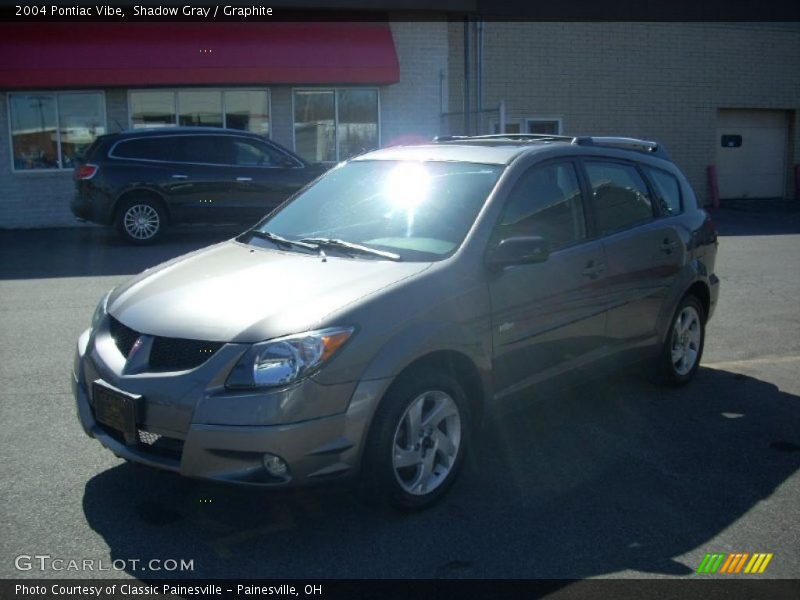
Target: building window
(247, 110)
(511, 127)
(543, 126)
(50, 130)
(333, 125)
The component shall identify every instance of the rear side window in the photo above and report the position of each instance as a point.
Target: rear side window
(150, 148)
(619, 196)
(207, 149)
(668, 191)
(545, 202)
(247, 153)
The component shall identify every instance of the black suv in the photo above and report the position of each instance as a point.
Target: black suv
(141, 180)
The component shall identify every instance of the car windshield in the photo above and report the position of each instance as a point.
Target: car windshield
(415, 211)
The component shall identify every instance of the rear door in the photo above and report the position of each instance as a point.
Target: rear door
(204, 190)
(644, 252)
(547, 315)
(263, 176)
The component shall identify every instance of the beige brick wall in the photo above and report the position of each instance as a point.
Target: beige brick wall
(662, 81)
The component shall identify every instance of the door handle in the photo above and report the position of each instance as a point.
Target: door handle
(244, 179)
(594, 269)
(178, 176)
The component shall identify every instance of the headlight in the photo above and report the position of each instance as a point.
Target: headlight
(100, 311)
(285, 360)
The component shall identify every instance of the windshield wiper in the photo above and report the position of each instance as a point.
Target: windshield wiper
(353, 247)
(281, 241)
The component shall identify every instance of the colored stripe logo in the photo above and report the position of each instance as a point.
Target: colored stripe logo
(737, 562)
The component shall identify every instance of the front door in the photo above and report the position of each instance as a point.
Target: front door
(550, 315)
(263, 177)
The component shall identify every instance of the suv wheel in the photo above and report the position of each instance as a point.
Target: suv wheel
(140, 220)
(683, 347)
(418, 441)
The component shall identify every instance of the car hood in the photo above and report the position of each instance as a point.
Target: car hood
(232, 292)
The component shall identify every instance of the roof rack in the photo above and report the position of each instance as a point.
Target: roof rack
(542, 137)
(623, 143)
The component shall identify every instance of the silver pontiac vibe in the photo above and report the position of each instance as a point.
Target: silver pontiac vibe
(368, 324)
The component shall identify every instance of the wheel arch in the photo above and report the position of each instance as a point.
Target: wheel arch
(702, 292)
(457, 365)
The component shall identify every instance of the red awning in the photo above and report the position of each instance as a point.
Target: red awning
(73, 55)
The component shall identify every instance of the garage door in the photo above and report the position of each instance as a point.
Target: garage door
(751, 153)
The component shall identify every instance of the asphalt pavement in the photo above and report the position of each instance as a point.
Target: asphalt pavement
(613, 478)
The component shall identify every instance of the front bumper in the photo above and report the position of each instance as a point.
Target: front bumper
(213, 434)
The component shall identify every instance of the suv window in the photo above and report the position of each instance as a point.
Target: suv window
(163, 148)
(247, 153)
(668, 191)
(619, 195)
(206, 149)
(547, 202)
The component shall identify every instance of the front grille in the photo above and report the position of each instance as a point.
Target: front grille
(150, 443)
(175, 354)
(161, 445)
(124, 336)
(166, 354)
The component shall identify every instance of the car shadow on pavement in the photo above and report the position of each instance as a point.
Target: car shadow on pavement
(615, 475)
(97, 251)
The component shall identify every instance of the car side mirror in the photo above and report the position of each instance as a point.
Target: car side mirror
(519, 251)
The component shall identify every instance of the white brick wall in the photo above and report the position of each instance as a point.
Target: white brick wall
(412, 107)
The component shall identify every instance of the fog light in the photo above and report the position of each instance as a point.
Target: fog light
(275, 465)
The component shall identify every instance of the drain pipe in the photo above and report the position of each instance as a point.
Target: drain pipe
(467, 103)
(479, 76)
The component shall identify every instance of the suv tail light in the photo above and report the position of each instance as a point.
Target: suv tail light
(86, 171)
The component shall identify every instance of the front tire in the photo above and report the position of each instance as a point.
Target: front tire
(683, 347)
(141, 221)
(418, 441)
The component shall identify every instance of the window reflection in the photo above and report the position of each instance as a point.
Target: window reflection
(152, 109)
(41, 121)
(314, 133)
(200, 108)
(333, 125)
(247, 110)
(358, 122)
(81, 120)
(33, 131)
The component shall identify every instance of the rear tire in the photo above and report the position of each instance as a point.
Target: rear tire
(682, 350)
(141, 220)
(417, 442)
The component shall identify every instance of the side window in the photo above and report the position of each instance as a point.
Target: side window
(619, 195)
(545, 202)
(206, 149)
(159, 148)
(668, 190)
(252, 154)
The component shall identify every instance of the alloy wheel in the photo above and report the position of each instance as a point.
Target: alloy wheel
(686, 337)
(141, 221)
(426, 442)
